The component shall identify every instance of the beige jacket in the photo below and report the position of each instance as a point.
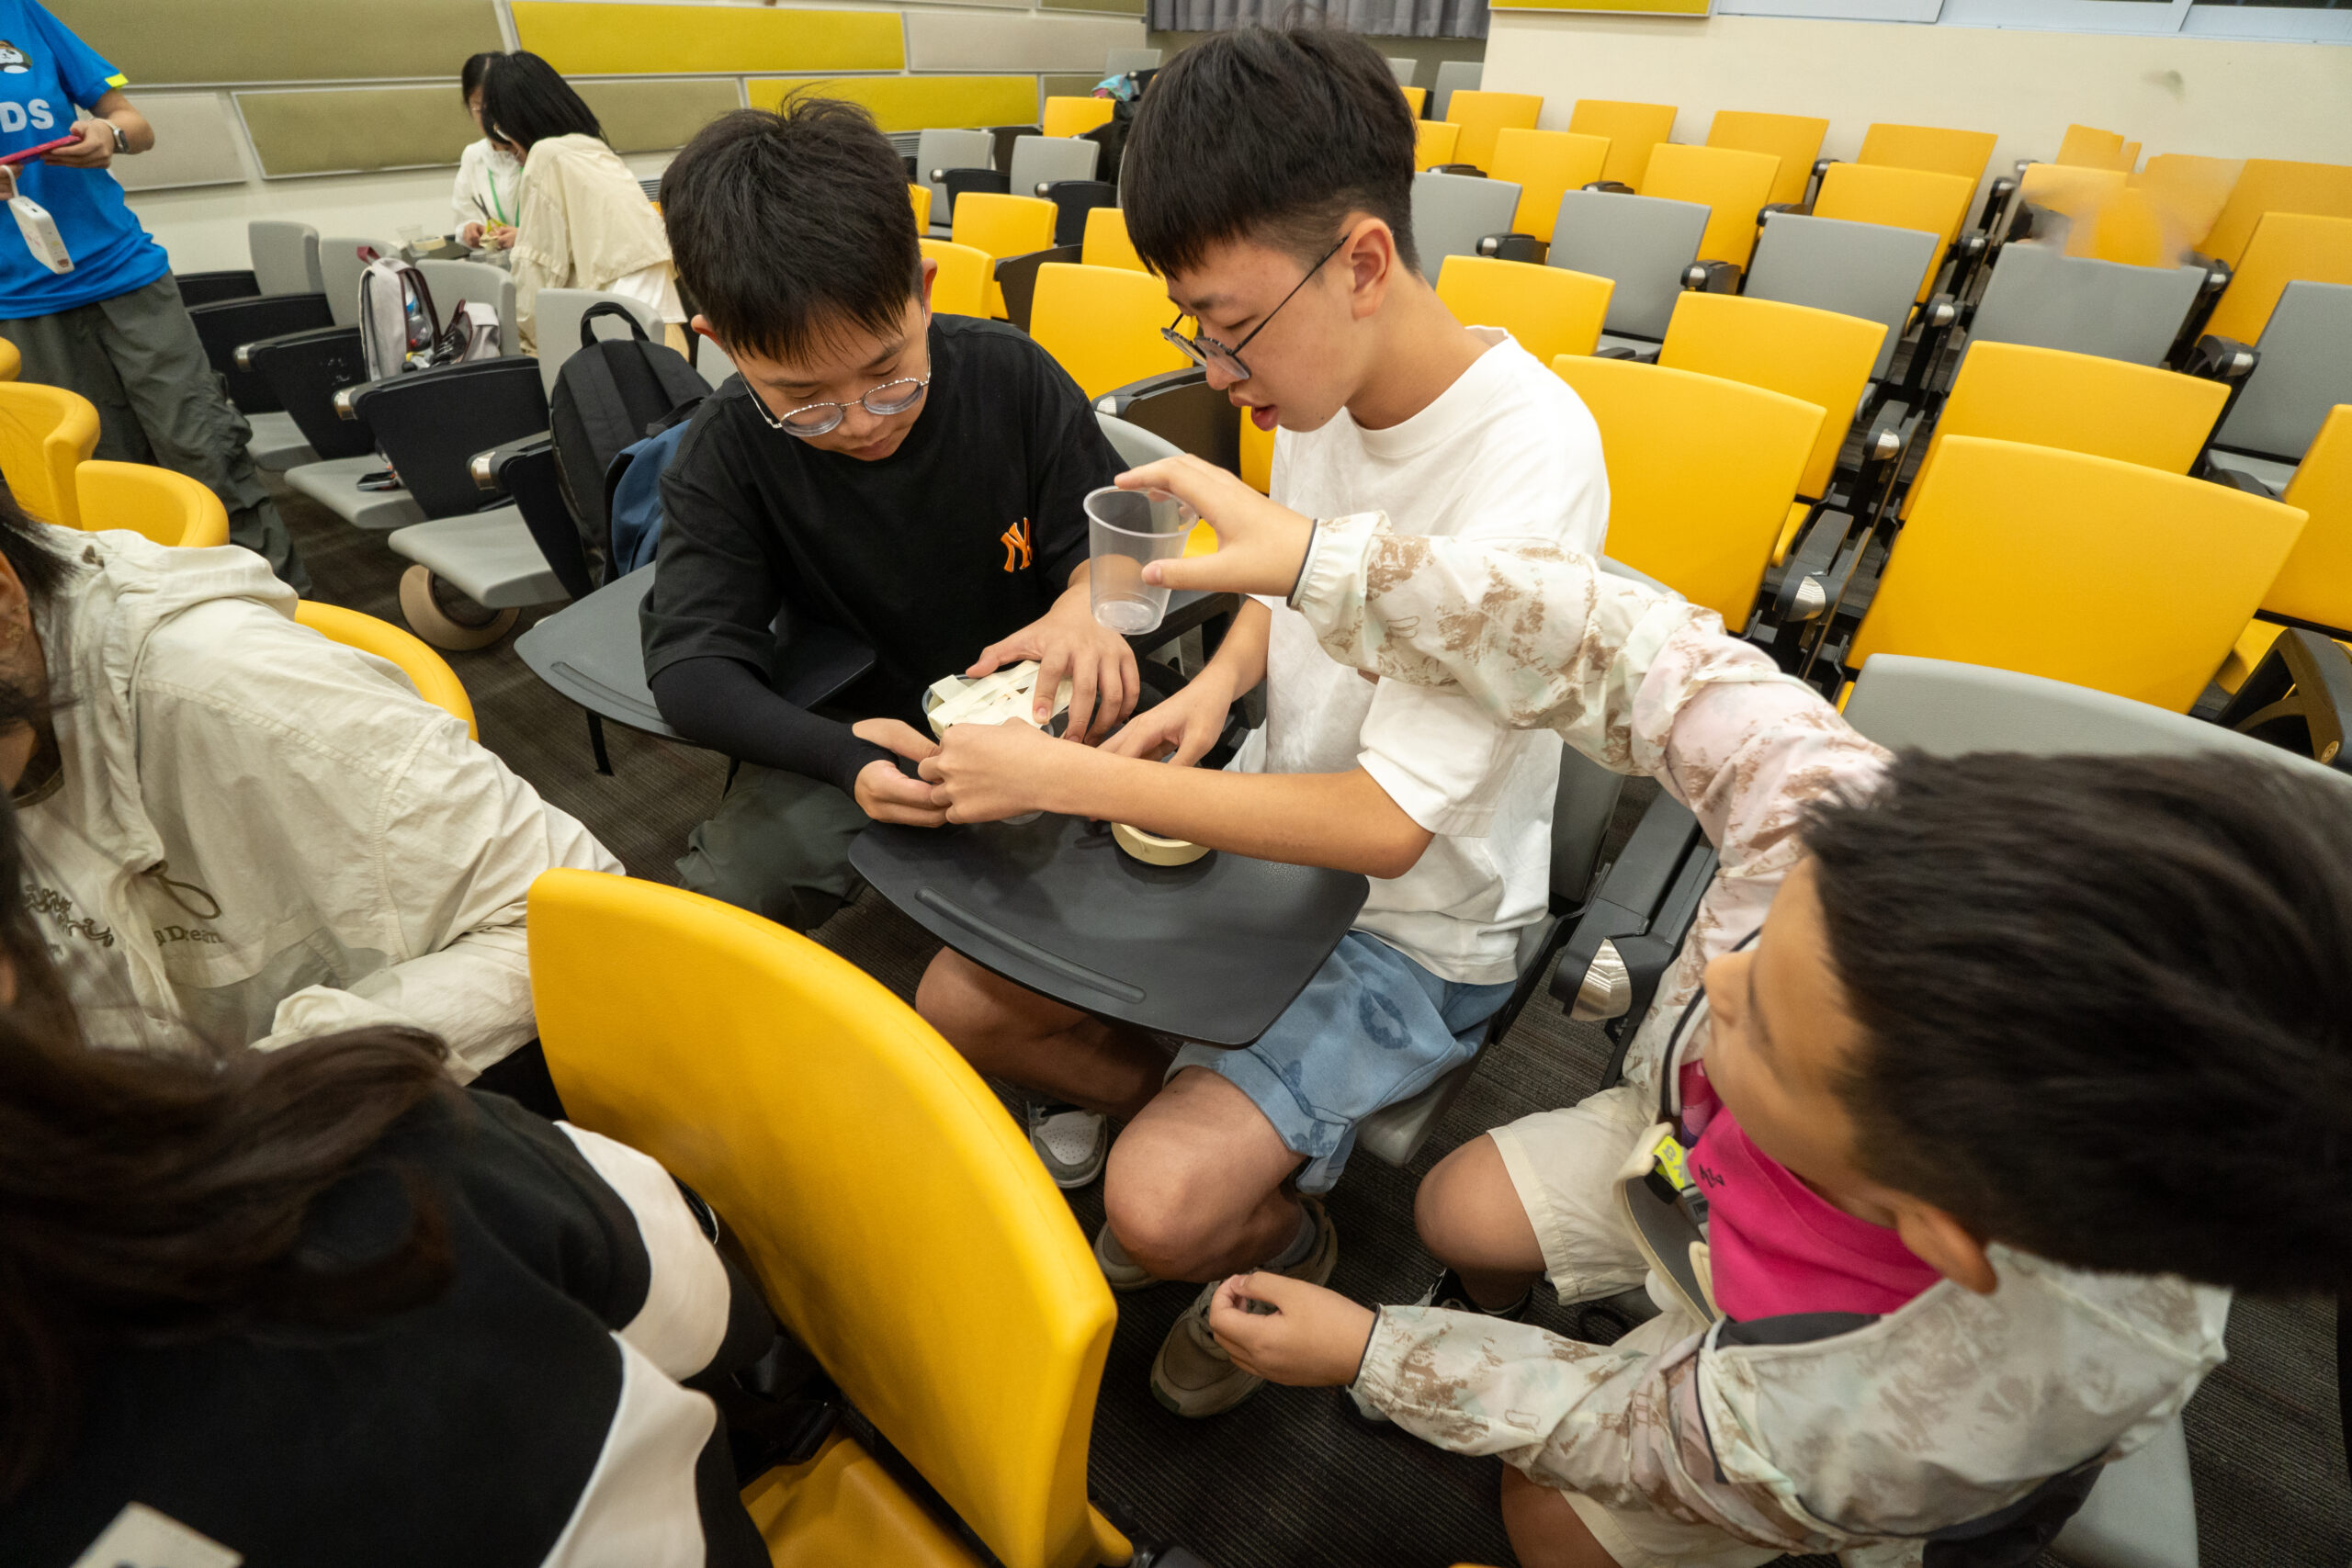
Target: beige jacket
(585, 223)
(1807, 1437)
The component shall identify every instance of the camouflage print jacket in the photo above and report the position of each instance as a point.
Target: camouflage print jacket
(1873, 1438)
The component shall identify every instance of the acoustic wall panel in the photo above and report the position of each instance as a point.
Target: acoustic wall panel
(592, 39)
(166, 43)
(1125, 7)
(1610, 7)
(917, 103)
(195, 145)
(338, 131)
(948, 40)
(1078, 85)
(654, 116)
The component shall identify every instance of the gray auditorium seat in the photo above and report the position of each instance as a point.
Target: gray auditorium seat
(489, 557)
(938, 150)
(481, 283)
(285, 256)
(1401, 68)
(1856, 269)
(1452, 76)
(1453, 212)
(334, 484)
(1049, 160)
(2044, 298)
(1643, 243)
(339, 270)
(557, 313)
(2304, 370)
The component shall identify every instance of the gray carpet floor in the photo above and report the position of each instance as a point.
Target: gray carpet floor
(1288, 1481)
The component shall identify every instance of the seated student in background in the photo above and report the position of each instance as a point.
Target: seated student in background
(1979, 1062)
(584, 221)
(915, 480)
(488, 196)
(1269, 179)
(323, 1306)
(238, 834)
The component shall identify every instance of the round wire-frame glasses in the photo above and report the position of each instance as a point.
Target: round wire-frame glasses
(819, 419)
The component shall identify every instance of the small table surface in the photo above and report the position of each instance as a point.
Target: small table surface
(1211, 951)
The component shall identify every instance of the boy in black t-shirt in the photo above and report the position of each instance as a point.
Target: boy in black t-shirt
(914, 480)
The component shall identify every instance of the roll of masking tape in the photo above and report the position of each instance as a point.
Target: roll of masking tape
(1153, 850)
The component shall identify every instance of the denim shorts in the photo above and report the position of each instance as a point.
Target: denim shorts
(1371, 1028)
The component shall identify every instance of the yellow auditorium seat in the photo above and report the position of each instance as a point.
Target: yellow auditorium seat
(2076, 567)
(2287, 247)
(1106, 242)
(1963, 153)
(848, 1150)
(961, 286)
(1631, 129)
(920, 197)
(1074, 116)
(1549, 310)
(2272, 185)
(1001, 226)
(1545, 165)
(1483, 117)
(2078, 402)
(1433, 142)
(2190, 190)
(1794, 139)
(11, 361)
(1899, 198)
(1102, 324)
(1733, 185)
(2315, 585)
(1704, 527)
(1815, 357)
(2084, 148)
(45, 434)
(167, 507)
(426, 671)
(1418, 100)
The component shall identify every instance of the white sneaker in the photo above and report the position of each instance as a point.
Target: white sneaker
(1070, 1142)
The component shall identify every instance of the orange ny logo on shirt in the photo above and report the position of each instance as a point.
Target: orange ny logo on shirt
(1015, 540)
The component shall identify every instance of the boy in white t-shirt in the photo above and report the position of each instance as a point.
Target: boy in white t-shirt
(1269, 180)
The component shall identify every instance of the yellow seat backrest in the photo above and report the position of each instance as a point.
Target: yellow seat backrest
(1257, 455)
(961, 288)
(2190, 190)
(11, 361)
(1545, 165)
(1704, 527)
(45, 434)
(1484, 116)
(1074, 116)
(1734, 186)
(2129, 159)
(1106, 242)
(1815, 357)
(1433, 141)
(2078, 402)
(2287, 247)
(1963, 153)
(1102, 324)
(1001, 226)
(2317, 583)
(2084, 148)
(2076, 567)
(1631, 129)
(1549, 310)
(2107, 218)
(1899, 198)
(920, 197)
(169, 508)
(852, 1154)
(2274, 185)
(1794, 139)
(426, 671)
(1417, 99)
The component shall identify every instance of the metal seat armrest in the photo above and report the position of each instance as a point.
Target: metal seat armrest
(1617, 351)
(1473, 170)
(2233, 478)
(2222, 359)
(487, 467)
(1614, 187)
(2300, 696)
(1017, 275)
(1712, 277)
(1513, 247)
(1794, 209)
(1117, 400)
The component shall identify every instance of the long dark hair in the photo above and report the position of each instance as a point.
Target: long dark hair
(469, 76)
(148, 1198)
(525, 101)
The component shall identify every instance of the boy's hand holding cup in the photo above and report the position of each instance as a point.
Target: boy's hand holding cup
(1260, 546)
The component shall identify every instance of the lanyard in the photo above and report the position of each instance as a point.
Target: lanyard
(490, 178)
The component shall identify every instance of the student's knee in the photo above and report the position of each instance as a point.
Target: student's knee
(1171, 1208)
(981, 1014)
(1469, 1213)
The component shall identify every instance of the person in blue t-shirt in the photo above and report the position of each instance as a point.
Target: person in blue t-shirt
(113, 328)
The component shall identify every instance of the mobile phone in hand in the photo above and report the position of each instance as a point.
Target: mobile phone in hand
(32, 152)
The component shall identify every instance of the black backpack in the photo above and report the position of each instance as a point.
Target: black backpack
(613, 393)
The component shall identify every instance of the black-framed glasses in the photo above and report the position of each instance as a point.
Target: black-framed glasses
(1201, 349)
(810, 420)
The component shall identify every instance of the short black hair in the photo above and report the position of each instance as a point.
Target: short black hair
(790, 227)
(1270, 135)
(525, 101)
(469, 76)
(2106, 1005)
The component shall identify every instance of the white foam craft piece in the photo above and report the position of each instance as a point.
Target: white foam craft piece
(993, 698)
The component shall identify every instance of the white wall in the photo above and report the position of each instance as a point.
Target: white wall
(2175, 94)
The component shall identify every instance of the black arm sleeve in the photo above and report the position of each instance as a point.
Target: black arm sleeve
(723, 704)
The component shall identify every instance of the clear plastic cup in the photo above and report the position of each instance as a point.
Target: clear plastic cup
(1128, 528)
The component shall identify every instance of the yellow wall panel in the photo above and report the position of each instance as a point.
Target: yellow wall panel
(918, 103)
(159, 41)
(654, 116)
(591, 39)
(1610, 7)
